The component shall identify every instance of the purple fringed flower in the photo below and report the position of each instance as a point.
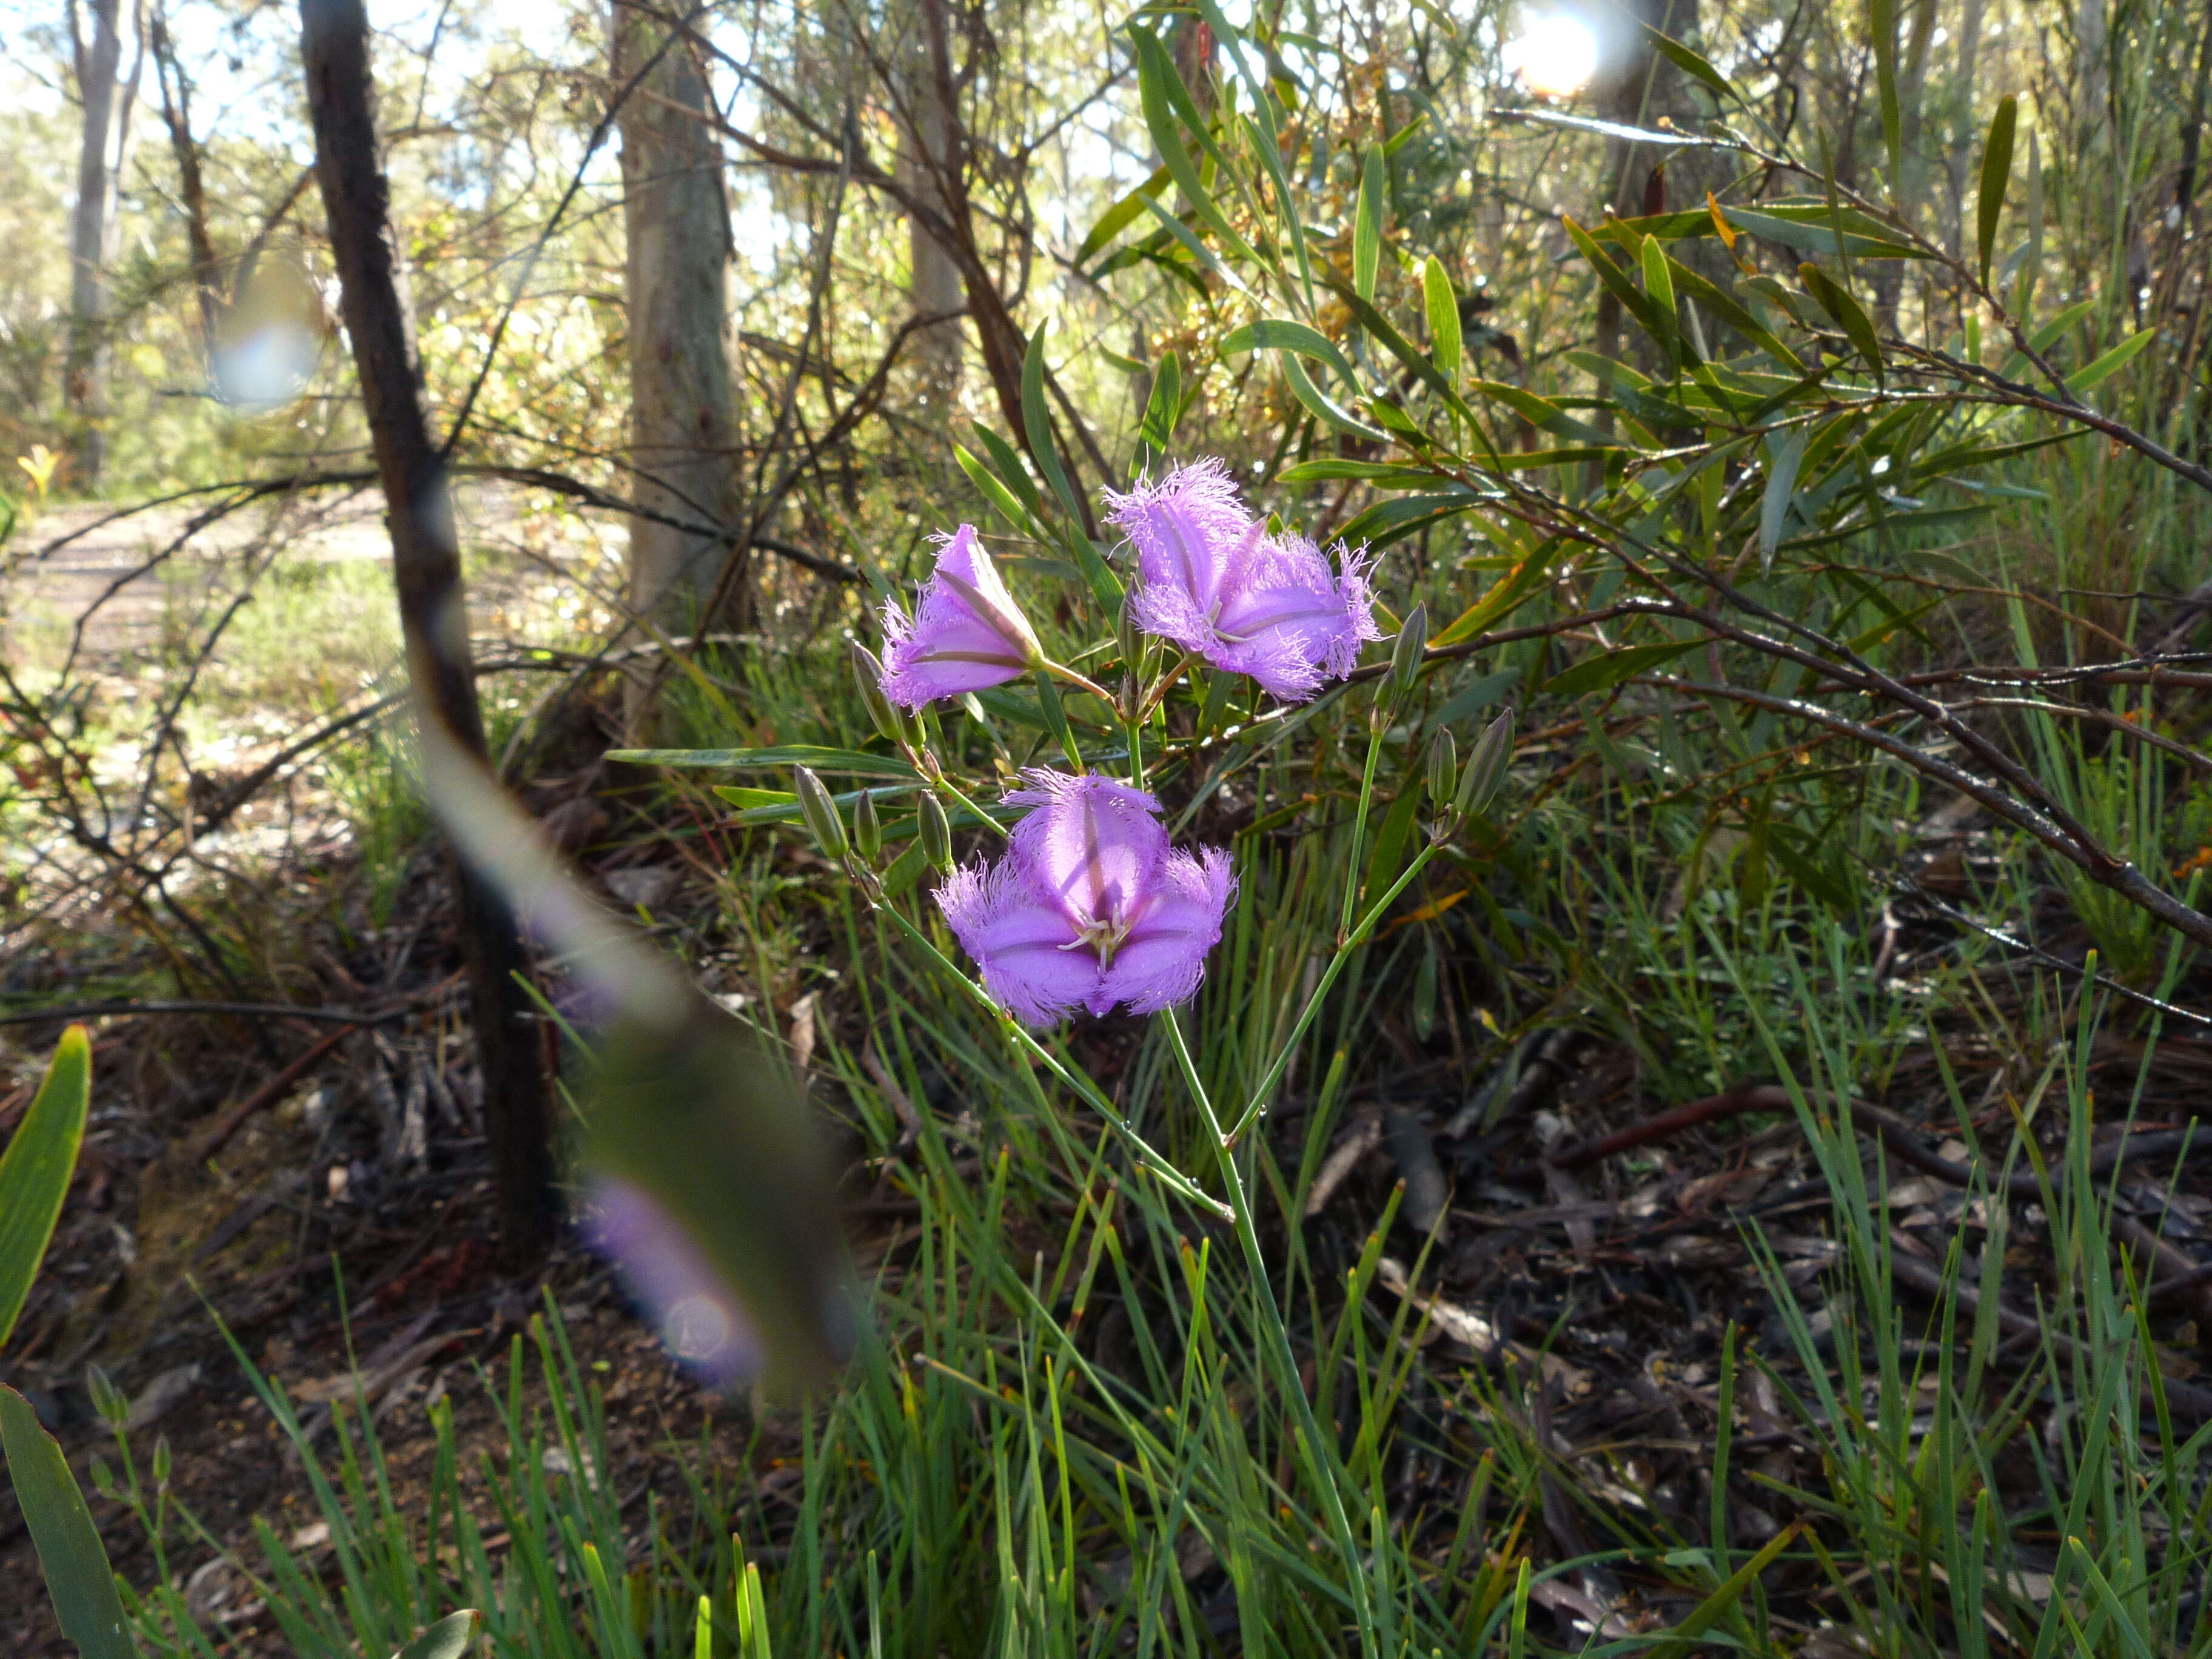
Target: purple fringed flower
(698, 1317)
(967, 633)
(1090, 906)
(1214, 583)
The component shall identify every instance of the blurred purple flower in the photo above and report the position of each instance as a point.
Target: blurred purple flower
(1090, 906)
(967, 633)
(1214, 583)
(698, 1316)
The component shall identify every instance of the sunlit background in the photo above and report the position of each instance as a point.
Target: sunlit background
(1555, 55)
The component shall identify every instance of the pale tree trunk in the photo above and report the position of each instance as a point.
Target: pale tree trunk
(926, 153)
(683, 419)
(106, 98)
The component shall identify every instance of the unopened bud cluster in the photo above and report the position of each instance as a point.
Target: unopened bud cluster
(1460, 792)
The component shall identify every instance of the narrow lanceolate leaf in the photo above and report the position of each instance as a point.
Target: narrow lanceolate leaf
(2095, 373)
(1660, 286)
(1367, 227)
(35, 1170)
(1162, 410)
(1603, 673)
(2032, 261)
(822, 759)
(1883, 15)
(1997, 173)
(1321, 406)
(1713, 1607)
(1850, 316)
(1037, 426)
(1123, 214)
(1691, 64)
(1442, 306)
(1157, 87)
(1785, 453)
(79, 1581)
(1280, 334)
(446, 1639)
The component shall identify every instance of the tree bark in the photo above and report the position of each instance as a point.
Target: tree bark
(926, 155)
(191, 191)
(683, 419)
(106, 102)
(432, 604)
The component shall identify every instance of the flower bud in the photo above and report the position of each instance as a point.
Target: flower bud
(868, 828)
(1406, 656)
(869, 674)
(820, 812)
(1486, 767)
(936, 834)
(1444, 768)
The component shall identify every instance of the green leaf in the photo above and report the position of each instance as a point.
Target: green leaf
(2049, 334)
(1390, 855)
(1471, 701)
(1785, 453)
(1709, 1611)
(1997, 173)
(1632, 299)
(1883, 16)
(1330, 468)
(1543, 414)
(1164, 98)
(1729, 310)
(446, 1639)
(1603, 673)
(1321, 406)
(1691, 64)
(1119, 217)
(1659, 285)
(2032, 261)
(78, 1578)
(757, 806)
(1006, 462)
(1162, 410)
(35, 1170)
(997, 494)
(1394, 520)
(791, 754)
(1036, 425)
(1442, 306)
(1367, 226)
(1377, 325)
(2095, 373)
(1850, 316)
(1280, 334)
(1505, 596)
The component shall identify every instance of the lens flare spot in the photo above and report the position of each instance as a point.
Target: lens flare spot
(1555, 54)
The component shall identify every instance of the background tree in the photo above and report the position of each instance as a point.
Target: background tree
(106, 96)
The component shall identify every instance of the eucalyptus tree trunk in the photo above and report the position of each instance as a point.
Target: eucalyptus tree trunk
(106, 98)
(434, 617)
(682, 424)
(928, 152)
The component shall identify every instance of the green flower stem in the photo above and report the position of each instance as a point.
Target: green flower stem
(1359, 826)
(1173, 1178)
(946, 785)
(1357, 937)
(1081, 682)
(1256, 1263)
